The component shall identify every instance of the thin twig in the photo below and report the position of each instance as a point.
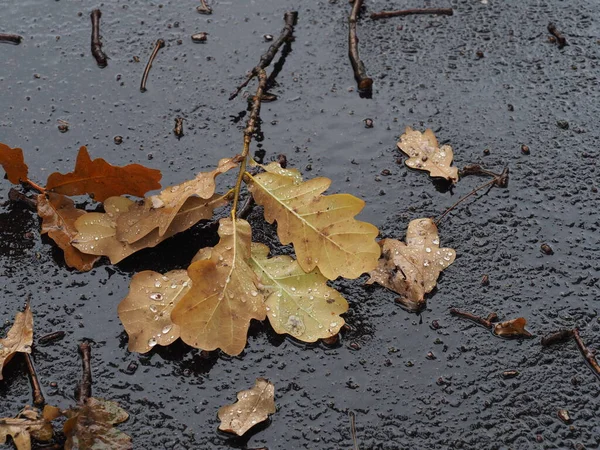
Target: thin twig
(247, 208)
(487, 322)
(409, 12)
(587, 353)
(97, 52)
(489, 183)
(159, 44)
(364, 82)
(38, 397)
(84, 389)
(290, 19)
(11, 38)
(55, 336)
(557, 337)
(562, 41)
(353, 430)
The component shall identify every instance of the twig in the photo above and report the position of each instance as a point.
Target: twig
(587, 353)
(159, 44)
(55, 336)
(353, 430)
(557, 338)
(38, 397)
(487, 322)
(409, 12)
(489, 183)
(11, 38)
(204, 8)
(364, 82)
(33, 185)
(97, 52)
(562, 41)
(290, 19)
(247, 208)
(84, 388)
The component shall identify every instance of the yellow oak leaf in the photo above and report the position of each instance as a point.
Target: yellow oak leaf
(225, 294)
(321, 228)
(298, 303)
(18, 339)
(425, 154)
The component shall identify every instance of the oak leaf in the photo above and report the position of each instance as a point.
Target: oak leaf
(102, 180)
(26, 425)
(18, 339)
(158, 211)
(274, 167)
(252, 407)
(91, 426)
(225, 294)
(412, 269)
(97, 232)
(58, 215)
(11, 159)
(425, 154)
(512, 328)
(322, 228)
(146, 311)
(298, 303)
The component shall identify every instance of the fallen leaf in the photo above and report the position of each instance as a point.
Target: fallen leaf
(158, 211)
(26, 425)
(97, 232)
(146, 311)
(322, 228)
(424, 154)
(58, 215)
(225, 294)
(102, 180)
(91, 426)
(412, 269)
(298, 303)
(252, 407)
(276, 168)
(18, 339)
(512, 328)
(11, 159)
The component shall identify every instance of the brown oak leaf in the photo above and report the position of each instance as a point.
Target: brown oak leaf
(18, 339)
(512, 328)
(11, 159)
(26, 425)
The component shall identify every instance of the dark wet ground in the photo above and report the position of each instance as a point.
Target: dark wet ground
(427, 74)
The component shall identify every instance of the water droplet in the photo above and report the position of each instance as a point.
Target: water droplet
(157, 202)
(152, 342)
(156, 296)
(153, 308)
(96, 238)
(166, 329)
(436, 241)
(185, 283)
(428, 250)
(157, 284)
(253, 293)
(293, 288)
(175, 188)
(426, 263)
(295, 325)
(333, 325)
(187, 188)
(156, 317)
(174, 286)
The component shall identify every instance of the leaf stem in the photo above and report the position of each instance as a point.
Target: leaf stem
(489, 183)
(248, 132)
(34, 185)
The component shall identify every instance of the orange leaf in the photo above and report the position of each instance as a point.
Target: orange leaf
(512, 328)
(58, 215)
(102, 180)
(11, 159)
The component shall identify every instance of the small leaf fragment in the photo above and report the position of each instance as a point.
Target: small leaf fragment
(58, 215)
(102, 180)
(512, 328)
(11, 159)
(321, 228)
(18, 339)
(252, 407)
(159, 211)
(146, 311)
(298, 303)
(26, 425)
(91, 426)
(412, 269)
(225, 294)
(425, 154)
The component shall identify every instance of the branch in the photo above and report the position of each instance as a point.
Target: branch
(487, 322)
(11, 38)
(38, 397)
(159, 44)
(409, 12)
(587, 354)
(286, 36)
(84, 389)
(96, 44)
(363, 81)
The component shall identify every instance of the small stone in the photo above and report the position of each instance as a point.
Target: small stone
(525, 149)
(563, 415)
(563, 124)
(368, 123)
(479, 54)
(63, 128)
(511, 108)
(485, 280)
(546, 249)
(131, 368)
(507, 374)
(200, 37)
(386, 173)
(435, 325)
(486, 151)
(430, 356)
(118, 140)
(354, 345)
(268, 37)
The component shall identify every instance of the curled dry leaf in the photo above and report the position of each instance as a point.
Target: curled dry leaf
(11, 159)
(97, 232)
(512, 328)
(146, 311)
(102, 180)
(412, 269)
(26, 425)
(225, 294)
(18, 339)
(252, 407)
(322, 228)
(91, 426)
(58, 215)
(298, 303)
(159, 211)
(424, 154)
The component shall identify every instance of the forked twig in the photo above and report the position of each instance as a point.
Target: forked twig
(363, 81)
(566, 335)
(409, 12)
